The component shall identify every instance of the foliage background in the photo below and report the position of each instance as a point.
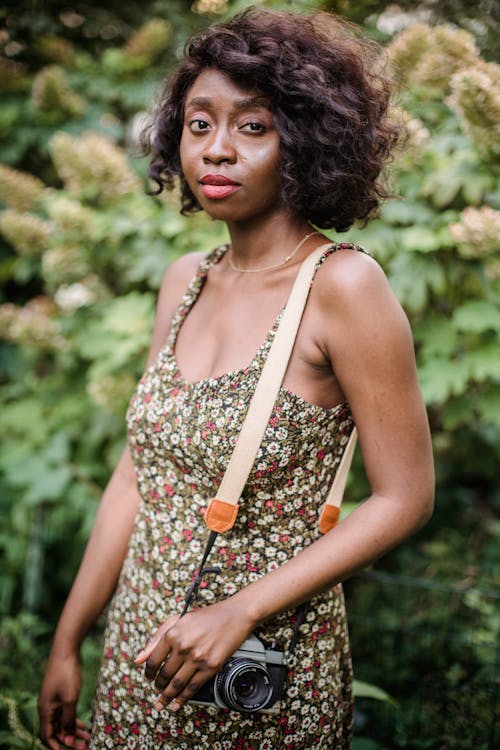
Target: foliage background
(82, 251)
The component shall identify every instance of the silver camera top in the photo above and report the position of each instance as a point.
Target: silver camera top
(254, 649)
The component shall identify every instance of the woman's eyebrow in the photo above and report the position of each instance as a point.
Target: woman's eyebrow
(252, 101)
(245, 103)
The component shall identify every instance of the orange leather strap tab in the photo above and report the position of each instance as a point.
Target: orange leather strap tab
(220, 516)
(328, 518)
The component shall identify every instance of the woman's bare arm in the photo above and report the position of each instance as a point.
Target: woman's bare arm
(103, 558)
(107, 545)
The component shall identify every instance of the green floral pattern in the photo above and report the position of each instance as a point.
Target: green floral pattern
(181, 436)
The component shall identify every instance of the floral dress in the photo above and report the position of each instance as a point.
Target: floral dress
(181, 435)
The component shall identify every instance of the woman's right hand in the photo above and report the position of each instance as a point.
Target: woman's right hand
(59, 726)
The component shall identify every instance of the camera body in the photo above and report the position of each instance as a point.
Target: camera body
(251, 680)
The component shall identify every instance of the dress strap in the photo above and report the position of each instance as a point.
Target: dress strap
(192, 292)
(211, 259)
(333, 249)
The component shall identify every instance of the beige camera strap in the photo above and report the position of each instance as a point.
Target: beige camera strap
(223, 509)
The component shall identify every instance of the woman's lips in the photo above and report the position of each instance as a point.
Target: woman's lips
(217, 186)
(219, 191)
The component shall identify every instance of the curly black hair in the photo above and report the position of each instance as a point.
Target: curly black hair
(329, 96)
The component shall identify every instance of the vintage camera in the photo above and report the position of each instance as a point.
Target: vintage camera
(252, 679)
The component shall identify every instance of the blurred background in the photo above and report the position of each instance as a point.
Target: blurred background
(82, 252)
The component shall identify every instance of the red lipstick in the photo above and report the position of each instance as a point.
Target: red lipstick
(218, 186)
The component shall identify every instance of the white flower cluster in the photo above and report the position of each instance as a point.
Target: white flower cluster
(410, 151)
(475, 96)
(70, 297)
(215, 7)
(395, 19)
(31, 325)
(477, 234)
(55, 49)
(149, 40)
(19, 190)
(427, 56)
(70, 216)
(27, 233)
(51, 92)
(92, 166)
(64, 264)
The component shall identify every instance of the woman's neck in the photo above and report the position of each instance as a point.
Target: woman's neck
(268, 242)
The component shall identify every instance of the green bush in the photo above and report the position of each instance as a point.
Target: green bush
(82, 252)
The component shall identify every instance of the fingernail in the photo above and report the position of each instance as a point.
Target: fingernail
(175, 705)
(159, 705)
(69, 739)
(140, 655)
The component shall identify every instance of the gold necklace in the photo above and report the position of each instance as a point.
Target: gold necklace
(275, 265)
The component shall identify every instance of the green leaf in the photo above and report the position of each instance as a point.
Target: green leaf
(58, 449)
(9, 114)
(442, 378)
(488, 404)
(406, 213)
(366, 690)
(172, 226)
(23, 416)
(129, 315)
(435, 336)
(476, 316)
(49, 484)
(458, 411)
(442, 186)
(409, 286)
(150, 266)
(476, 186)
(484, 362)
(43, 481)
(411, 275)
(122, 333)
(421, 239)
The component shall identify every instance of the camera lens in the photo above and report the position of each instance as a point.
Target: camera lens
(244, 685)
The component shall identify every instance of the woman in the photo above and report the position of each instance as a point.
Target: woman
(273, 123)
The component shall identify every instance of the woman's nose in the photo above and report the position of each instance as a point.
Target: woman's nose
(219, 147)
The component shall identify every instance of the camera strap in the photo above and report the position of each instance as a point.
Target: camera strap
(192, 592)
(223, 508)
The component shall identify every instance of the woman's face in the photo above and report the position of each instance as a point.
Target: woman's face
(230, 149)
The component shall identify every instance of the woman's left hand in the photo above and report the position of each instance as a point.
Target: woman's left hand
(186, 652)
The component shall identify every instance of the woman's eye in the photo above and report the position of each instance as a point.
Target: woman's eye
(253, 127)
(198, 126)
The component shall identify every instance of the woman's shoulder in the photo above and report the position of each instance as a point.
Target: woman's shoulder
(178, 275)
(175, 282)
(182, 269)
(351, 283)
(347, 268)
